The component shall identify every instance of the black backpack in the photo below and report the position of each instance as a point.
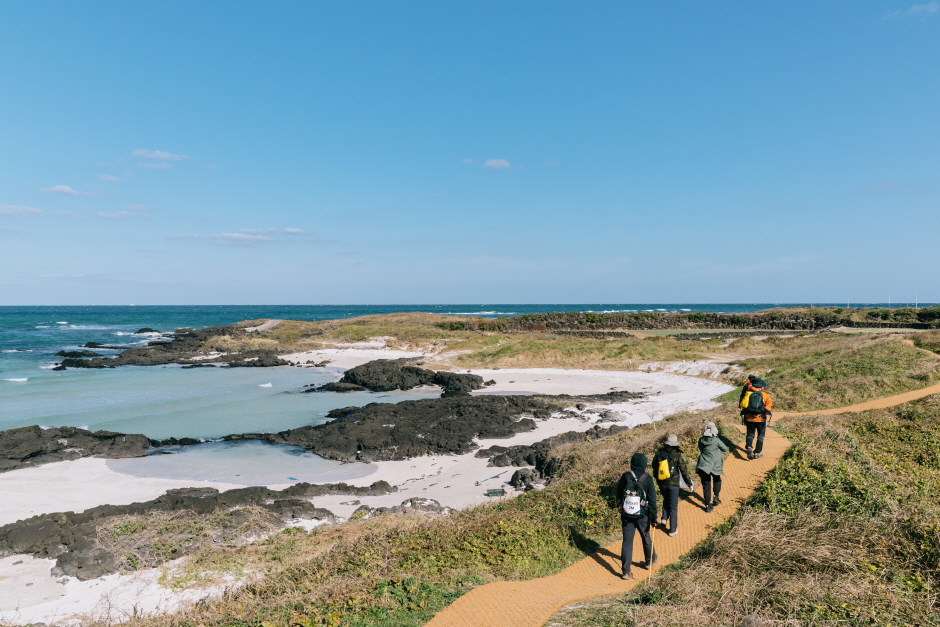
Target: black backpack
(633, 489)
(753, 403)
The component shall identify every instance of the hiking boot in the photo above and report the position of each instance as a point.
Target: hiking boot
(627, 575)
(663, 522)
(750, 453)
(709, 507)
(673, 534)
(716, 501)
(757, 455)
(650, 562)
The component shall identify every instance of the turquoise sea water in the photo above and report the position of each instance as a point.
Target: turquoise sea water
(165, 401)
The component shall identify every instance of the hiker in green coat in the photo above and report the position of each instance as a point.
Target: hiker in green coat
(711, 464)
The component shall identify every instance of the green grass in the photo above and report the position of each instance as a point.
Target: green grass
(844, 531)
(831, 371)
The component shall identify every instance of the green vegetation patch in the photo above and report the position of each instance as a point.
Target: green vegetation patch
(823, 372)
(844, 531)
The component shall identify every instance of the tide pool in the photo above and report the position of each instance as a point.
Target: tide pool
(245, 463)
(168, 401)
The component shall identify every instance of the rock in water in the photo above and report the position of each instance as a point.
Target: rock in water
(387, 431)
(385, 375)
(32, 446)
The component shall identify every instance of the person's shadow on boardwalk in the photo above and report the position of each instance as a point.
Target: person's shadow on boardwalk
(593, 550)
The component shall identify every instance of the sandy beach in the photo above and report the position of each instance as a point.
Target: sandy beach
(455, 481)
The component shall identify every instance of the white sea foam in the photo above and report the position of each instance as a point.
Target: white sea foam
(479, 313)
(264, 385)
(85, 427)
(18, 380)
(61, 322)
(12, 350)
(42, 326)
(47, 367)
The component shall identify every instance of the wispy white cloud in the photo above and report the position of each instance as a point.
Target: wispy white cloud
(17, 210)
(922, 9)
(110, 179)
(916, 10)
(162, 165)
(289, 231)
(244, 237)
(885, 186)
(60, 190)
(160, 155)
(136, 211)
(468, 160)
(496, 164)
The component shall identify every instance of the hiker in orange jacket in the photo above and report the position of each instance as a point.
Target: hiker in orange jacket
(756, 405)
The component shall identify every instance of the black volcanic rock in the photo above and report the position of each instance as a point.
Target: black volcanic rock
(386, 431)
(32, 446)
(77, 354)
(145, 330)
(182, 347)
(72, 539)
(385, 375)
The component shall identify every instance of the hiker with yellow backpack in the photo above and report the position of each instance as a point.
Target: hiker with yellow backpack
(756, 405)
(671, 469)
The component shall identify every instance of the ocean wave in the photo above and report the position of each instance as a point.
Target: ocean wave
(265, 385)
(48, 367)
(93, 327)
(42, 326)
(12, 350)
(478, 313)
(18, 380)
(61, 322)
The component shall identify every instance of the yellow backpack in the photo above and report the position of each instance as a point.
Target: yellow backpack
(662, 473)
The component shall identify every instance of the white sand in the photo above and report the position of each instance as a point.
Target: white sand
(75, 486)
(349, 355)
(449, 479)
(30, 594)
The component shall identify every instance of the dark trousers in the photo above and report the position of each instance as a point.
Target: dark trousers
(630, 527)
(760, 428)
(670, 504)
(707, 481)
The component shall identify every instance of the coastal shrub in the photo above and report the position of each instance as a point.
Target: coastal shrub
(834, 371)
(928, 340)
(843, 531)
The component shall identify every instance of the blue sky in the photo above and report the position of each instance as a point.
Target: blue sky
(478, 151)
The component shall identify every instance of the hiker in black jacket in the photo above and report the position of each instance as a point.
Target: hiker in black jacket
(636, 499)
(667, 476)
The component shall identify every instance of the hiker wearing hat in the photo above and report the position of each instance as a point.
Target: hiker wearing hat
(711, 464)
(755, 414)
(669, 466)
(637, 500)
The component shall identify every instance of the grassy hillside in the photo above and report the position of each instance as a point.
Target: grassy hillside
(845, 531)
(836, 370)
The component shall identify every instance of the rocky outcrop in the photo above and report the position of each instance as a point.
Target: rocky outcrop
(145, 330)
(181, 347)
(540, 453)
(72, 539)
(32, 446)
(386, 431)
(77, 354)
(385, 375)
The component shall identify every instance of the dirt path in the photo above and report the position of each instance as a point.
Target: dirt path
(531, 603)
(878, 403)
(270, 324)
